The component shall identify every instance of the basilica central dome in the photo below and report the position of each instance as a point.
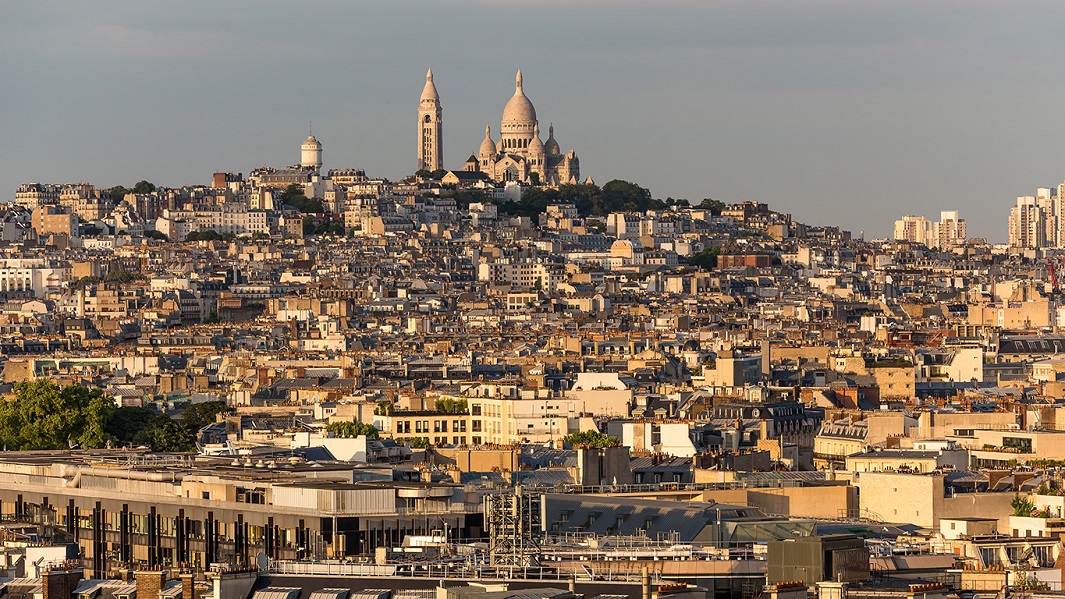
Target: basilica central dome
(519, 110)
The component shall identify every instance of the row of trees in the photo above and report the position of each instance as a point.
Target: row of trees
(45, 416)
(118, 192)
(591, 439)
(591, 200)
(209, 235)
(353, 429)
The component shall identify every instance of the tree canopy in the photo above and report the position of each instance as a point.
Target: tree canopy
(705, 259)
(1022, 506)
(209, 235)
(123, 276)
(293, 196)
(144, 187)
(138, 426)
(353, 429)
(199, 415)
(589, 199)
(43, 416)
(591, 439)
(715, 207)
(451, 406)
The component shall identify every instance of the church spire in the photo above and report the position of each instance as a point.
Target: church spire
(429, 91)
(517, 82)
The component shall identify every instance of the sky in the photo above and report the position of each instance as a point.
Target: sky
(838, 112)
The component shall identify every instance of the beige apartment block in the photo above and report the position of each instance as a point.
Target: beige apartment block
(919, 499)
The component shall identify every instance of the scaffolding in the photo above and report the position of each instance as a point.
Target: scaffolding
(513, 529)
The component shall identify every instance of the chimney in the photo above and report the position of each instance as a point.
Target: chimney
(188, 586)
(149, 583)
(59, 581)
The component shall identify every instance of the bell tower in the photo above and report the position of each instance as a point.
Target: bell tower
(430, 127)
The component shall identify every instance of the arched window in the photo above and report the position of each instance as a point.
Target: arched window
(428, 119)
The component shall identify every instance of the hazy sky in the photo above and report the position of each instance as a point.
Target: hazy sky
(839, 112)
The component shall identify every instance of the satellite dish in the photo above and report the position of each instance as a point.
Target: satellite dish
(262, 561)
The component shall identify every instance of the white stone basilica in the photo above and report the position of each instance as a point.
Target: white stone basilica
(520, 155)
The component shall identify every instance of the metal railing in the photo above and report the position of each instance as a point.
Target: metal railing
(757, 483)
(436, 570)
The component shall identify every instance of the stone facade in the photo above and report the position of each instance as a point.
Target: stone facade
(520, 155)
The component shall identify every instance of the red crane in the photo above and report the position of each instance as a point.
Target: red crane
(1053, 275)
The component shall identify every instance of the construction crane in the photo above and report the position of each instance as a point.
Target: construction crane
(1053, 275)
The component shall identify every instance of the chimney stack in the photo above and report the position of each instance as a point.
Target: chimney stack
(59, 581)
(188, 586)
(149, 583)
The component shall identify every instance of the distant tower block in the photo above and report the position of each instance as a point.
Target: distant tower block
(311, 153)
(430, 127)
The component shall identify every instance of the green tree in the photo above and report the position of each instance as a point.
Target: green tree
(591, 439)
(144, 426)
(1022, 506)
(126, 422)
(706, 259)
(143, 187)
(293, 196)
(423, 173)
(618, 193)
(385, 408)
(420, 443)
(118, 193)
(353, 429)
(464, 197)
(44, 416)
(166, 435)
(451, 406)
(204, 235)
(122, 276)
(715, 207)
(438, 174)
(199, 415)
(595, 224)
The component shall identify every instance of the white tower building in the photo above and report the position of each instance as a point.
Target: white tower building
(311, 153)
(430, 127)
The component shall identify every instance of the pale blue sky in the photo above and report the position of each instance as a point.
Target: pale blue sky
(840, 112)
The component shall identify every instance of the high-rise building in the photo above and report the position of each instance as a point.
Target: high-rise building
(430, 127)
(914, 229)
(949, 231)
(1028, 222)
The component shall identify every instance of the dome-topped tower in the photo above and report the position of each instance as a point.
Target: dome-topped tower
(488, 147)
(536, 147)
(519, 119)
(430, 127)
(551, 146)
(311, 153)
